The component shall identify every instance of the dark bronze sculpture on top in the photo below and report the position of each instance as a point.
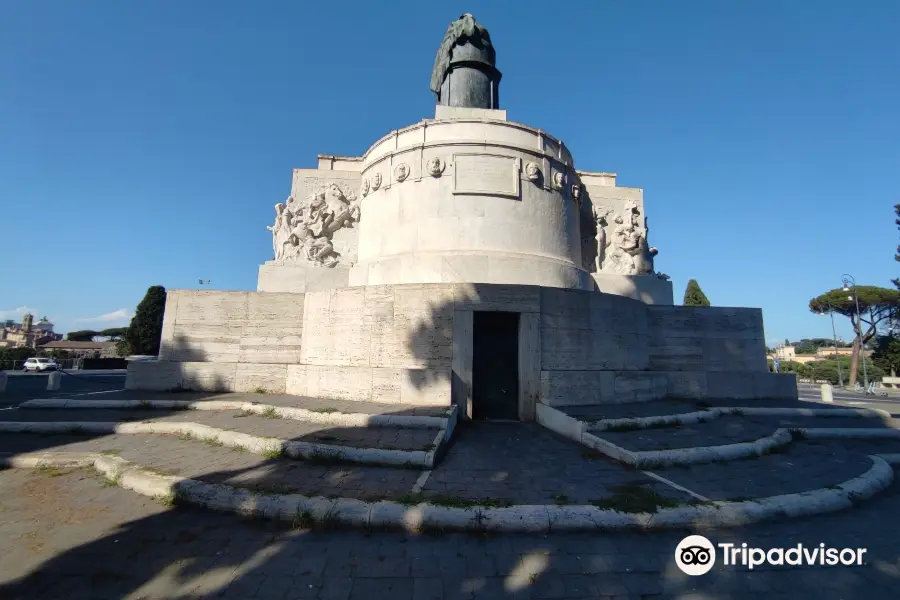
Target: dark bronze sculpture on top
(464, 73)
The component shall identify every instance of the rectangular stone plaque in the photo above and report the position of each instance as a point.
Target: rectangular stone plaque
(488, 174)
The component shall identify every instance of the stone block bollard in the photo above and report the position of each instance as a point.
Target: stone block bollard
(826, 393)
(3, 378)
(53, 381)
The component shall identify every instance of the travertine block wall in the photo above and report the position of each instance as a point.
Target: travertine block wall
(412, 344)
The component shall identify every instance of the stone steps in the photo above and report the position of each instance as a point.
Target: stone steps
(304, 510)
(262, 432)
(794, 468)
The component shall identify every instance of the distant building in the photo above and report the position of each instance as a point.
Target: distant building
(786, 353)
(82, 349)
(27, 334)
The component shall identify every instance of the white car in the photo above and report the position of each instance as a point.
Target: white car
(40, 365)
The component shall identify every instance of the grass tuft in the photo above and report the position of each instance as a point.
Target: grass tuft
(324, 410)
(270, 412)
(635, 498)
(273, 453)
(52, 471)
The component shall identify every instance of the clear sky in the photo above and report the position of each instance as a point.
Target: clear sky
(146, 142)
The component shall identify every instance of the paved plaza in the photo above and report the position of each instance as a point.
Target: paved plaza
(67, 535)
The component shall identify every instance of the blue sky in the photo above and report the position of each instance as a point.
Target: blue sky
(145, 143)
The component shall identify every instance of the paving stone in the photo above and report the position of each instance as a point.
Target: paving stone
(75, 530)
(724, 430)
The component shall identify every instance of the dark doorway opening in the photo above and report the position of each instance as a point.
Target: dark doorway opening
(495, 366)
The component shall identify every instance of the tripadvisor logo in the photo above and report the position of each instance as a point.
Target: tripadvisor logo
(696, 555)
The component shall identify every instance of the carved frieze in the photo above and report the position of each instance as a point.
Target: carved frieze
(532, 172)
(303, 231)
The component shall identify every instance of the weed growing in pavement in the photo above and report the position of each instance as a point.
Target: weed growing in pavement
(260, 390)
(270, 412)
(111, 452)
(453, 501)
(560, 499)
(272, 453)
(302, 520)
(634, 498)
(52, 471)
(324, 409)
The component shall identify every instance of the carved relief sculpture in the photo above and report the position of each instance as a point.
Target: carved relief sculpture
(532, 172)
(401, 172)
(365, 187)
(376, 181)
(576, 192)
(559, 180)
(600, 214)
(435, 166)
(305, 232)
(628, 252)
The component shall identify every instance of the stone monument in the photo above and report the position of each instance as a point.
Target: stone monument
(461, 260)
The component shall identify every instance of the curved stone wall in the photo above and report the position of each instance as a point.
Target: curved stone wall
(469, 200)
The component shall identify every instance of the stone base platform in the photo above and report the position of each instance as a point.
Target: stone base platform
(649, 289)
(298, 277)
(548, 483)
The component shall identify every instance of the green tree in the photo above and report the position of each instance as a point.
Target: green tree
(9, 357)
(887, 353)
(82, 335)
(876, 307)
(114, 333)
(693, 295)
(144, 333)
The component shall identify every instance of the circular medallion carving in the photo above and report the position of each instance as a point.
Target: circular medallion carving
(576, 192)
(401, 172)
(532, 172)
(364, 188)
(435, 166)
(376, 181)
(559, 180)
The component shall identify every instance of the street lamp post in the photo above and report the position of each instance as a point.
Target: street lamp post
(849, 282)
(837, 358)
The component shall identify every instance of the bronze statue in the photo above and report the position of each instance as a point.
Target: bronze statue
(464, 73)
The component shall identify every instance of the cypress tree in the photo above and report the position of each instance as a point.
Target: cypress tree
(694, 296)
(144, 333)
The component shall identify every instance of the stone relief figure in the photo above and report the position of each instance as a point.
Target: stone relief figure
(281, 230)
(629, 253)
(435, 166)
(600, 215)
(532, 171)
(305, 233)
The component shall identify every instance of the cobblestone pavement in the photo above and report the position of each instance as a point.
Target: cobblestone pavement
(67, 536)
(798, 467)
(395, 438)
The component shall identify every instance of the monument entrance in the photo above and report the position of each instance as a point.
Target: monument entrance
(495, 366)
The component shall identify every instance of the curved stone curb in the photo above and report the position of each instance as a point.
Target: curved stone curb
(576, 430)
(891, 459)
(847, 433)
(284, 412)
(305, 511)
(706, 415)
(242, 441)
